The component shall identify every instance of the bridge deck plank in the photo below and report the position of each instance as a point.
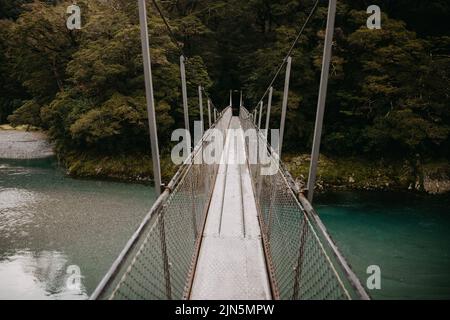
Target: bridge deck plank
(231, 262)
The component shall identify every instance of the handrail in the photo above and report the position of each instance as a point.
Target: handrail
(307, 208)
(130, 245)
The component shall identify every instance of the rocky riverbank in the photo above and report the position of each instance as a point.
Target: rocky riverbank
(123, 167)
(333, 173)
(364, 174)
(436, 178)
(22, 144)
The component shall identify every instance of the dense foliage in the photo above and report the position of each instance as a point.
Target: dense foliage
(388, 94)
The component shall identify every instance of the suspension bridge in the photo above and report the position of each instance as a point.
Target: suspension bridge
(227, 230)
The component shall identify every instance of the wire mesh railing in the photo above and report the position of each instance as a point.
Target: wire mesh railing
(303, 261)
(159, 260)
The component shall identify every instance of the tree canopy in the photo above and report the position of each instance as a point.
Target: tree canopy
(388, 93)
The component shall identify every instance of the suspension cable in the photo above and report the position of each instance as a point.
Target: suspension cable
(297, 38)
(169, 29)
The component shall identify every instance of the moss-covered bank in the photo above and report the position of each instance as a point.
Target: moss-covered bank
(349, 173)
(131, 168)
(366, 174)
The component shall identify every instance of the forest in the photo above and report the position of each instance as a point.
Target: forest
(388, 95)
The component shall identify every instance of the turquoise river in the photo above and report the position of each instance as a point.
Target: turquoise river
(51, 224)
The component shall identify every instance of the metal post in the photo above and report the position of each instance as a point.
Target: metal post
(200, 102)
(149, 96)
(322, 98)
(269, 106)
(284, 105)
(184, 92)
(209, 113)
(241, 101)
(260, 114)
(255, 114)
(215, 114)
(231, 98)
(166, 264)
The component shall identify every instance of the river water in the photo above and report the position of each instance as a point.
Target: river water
(406, 235)
(51, 224)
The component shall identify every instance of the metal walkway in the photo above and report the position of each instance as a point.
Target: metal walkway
(231, 263)
(228, 231)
